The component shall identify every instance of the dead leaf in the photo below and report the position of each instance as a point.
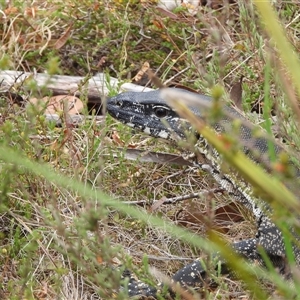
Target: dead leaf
(167, 13)
(157, 204)
(218, 219)
(116, 138)
(154, 79)
(101, 62)
(158, 24)
(31, 11)
(142, 72)
(229, 212)
(157, 157)
(132, 146)
(11, 11)
(236, 93)
(183, 87)
(99, 259)
(55, 104)
(63, 39)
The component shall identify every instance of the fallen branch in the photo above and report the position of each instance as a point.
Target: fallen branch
(94, 88)
(175, 199)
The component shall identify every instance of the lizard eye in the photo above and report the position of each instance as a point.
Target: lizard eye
(160, 111)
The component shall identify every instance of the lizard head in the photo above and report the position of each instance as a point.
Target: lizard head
(148, 113)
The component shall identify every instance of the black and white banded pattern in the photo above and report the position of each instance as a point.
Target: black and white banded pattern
(149, 113)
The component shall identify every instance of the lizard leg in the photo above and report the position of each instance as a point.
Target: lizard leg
(194, 273)
(191, 275)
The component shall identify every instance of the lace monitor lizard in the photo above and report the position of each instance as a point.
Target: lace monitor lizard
(149, 113)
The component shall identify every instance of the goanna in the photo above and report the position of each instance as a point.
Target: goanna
(149, 113)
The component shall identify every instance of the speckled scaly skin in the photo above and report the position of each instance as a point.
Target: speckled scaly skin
(149, 113)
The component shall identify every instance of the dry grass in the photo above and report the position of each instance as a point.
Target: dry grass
(54, 243)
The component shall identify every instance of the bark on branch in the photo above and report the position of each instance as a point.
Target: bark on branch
(95, 87)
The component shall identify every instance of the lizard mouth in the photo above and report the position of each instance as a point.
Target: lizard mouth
(138, 121)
